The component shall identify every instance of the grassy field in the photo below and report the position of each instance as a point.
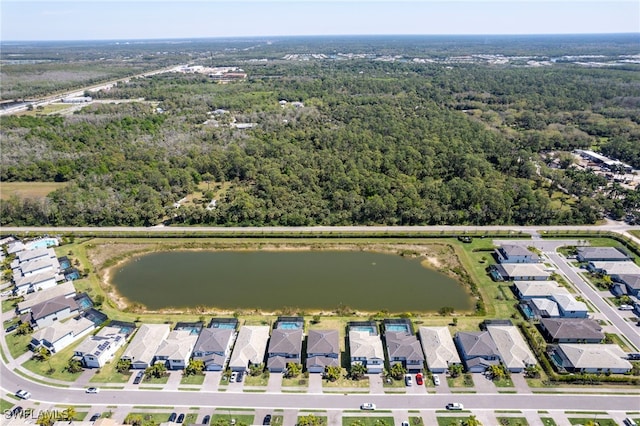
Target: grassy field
(367, 421)
(194, 379)
(55, 366)
(108, 373)
(584, 420)
(28, 189)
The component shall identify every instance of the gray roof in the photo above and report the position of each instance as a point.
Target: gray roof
(517, 250)
(214, 340)
(572, 328)
(514, 351)
(609, 253)
(522, 270)
(592, 356)
(60, 329)
(51, 306)
(285, 341)
(617, 268)
(250, 346)
(322, 361)
(477, 344)
(632, 281)
(323, 342)
(539, 288)
(278, 362)
(145, 343)
(401, 345)
(65, 289)
(28, 255)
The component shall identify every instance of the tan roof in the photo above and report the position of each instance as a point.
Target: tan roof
(144, 344)
(250, 345)
(59, 329)
(439, 349)
(514, 351)
(604, 356)
(364, 345)
(178, 345)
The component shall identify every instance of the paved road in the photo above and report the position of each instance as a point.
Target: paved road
(630, 331)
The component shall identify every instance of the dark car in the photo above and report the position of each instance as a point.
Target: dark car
(267, 420)
(205, 419)
(240, 376)
(138, 378)
(172, 417)
(11, 328)
(95, 417)
(180, 418)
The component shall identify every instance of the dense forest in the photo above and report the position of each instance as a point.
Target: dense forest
(369, 142)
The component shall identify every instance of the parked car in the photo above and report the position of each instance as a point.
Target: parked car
(239, 376)
(408, 380)
(625, 307)
(419, 379)
(436, 380)
(180, 418)
(95, 417)
(23, 394)
(630, 422)
(138, 378)
(267, 420)
(404, 424)
(368, 406)
(206, 419)
(92, 390)
(233, 377)
(172, 417)
(455, 406)
(11, 328)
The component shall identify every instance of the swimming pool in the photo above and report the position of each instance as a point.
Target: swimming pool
(43, 242)
(397, 327)
(223, 325)
(289, 325)
(367, 328)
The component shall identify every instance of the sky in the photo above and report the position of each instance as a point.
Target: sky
(166, 19)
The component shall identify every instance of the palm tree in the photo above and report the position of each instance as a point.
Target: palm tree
(397, 371)
(472, 421)
(70, 413)
(358, 370)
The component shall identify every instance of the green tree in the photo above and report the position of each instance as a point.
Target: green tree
(74, 366)
(41, 354)
(293, 369)
(397, 371)
(157, 370)
(455, 370)
(446, 310)
(255, 369)
(123, 366)
(69, 414)
(357, 371)
(532, 371)
(195, 367)
(472, 421)
(310, 420)
(332, 372)
(24, 328)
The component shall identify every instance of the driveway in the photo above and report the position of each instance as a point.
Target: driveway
(275, 383)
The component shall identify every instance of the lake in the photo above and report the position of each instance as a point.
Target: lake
(271, 280)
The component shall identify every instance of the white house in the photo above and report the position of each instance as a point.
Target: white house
(65, 289)
(176, 349)
(366, 349)
(95, 351)
(144, 345)
(37, 282)
(46, 313)
(438, 347)
(511, 253)
(61, 334)
(250, 347)
(591, 358)
(514, 351)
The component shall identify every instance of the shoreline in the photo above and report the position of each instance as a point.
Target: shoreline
(428, 259)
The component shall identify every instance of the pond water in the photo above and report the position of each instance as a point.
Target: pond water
(304, 280)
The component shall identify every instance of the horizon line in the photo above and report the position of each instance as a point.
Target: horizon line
(318, 35)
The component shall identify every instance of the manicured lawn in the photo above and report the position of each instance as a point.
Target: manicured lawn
(599, 422)
(416, 421)
(109, 374)
(504, 383)
(344, 382)
(10, 304)
(249, 380)
(462, 381)
(367, 421)
(322, 420)
(149, 418)
(5, 405)
(246, 419)
(194, 379)
(299, 381)
(512, 421)
(18, 344)
(450, 421)
(390, 382)
(55, 367)
(548, 421)
(148, 380)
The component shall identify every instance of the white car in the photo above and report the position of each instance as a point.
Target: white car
(408, 380)
(23, 394)
(92, 390)
(368, 406)
(436, 380)
(455, 406)
(233, 377)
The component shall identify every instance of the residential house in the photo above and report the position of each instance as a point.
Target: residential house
(614, 269)
(144, 345)
(175, 350)
(514, 351)
(65, 289)
(477, 350)
(543, 308)
(439, 349)
(601, 254)
(521, 272)
(571, 330)
(569, 307)
(15, 247)
(285, 346)
(525, 290)
(61, 334)
(323, 350)
(631, 282)
(95, 351)
(37, 282)
(32, 255)
(590, 358)
(365, 347)
(213, 347)
(46, 313)
(249, 348)
(511, 253)
(404, 349)
(36, 266)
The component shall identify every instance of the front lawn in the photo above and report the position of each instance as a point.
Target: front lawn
(585, 420)
(56, 366)
(367, 421)
(548, 421)
(503, 383)
(345, 382)
(512, 421)
(245, 419)
(109, 374)
(249, 380)
(317, 420)
(462, 381)
(18, 344)
(299, 381)
(150, 380)
(194, 379)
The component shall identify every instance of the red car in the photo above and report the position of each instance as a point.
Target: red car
(419, 379)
